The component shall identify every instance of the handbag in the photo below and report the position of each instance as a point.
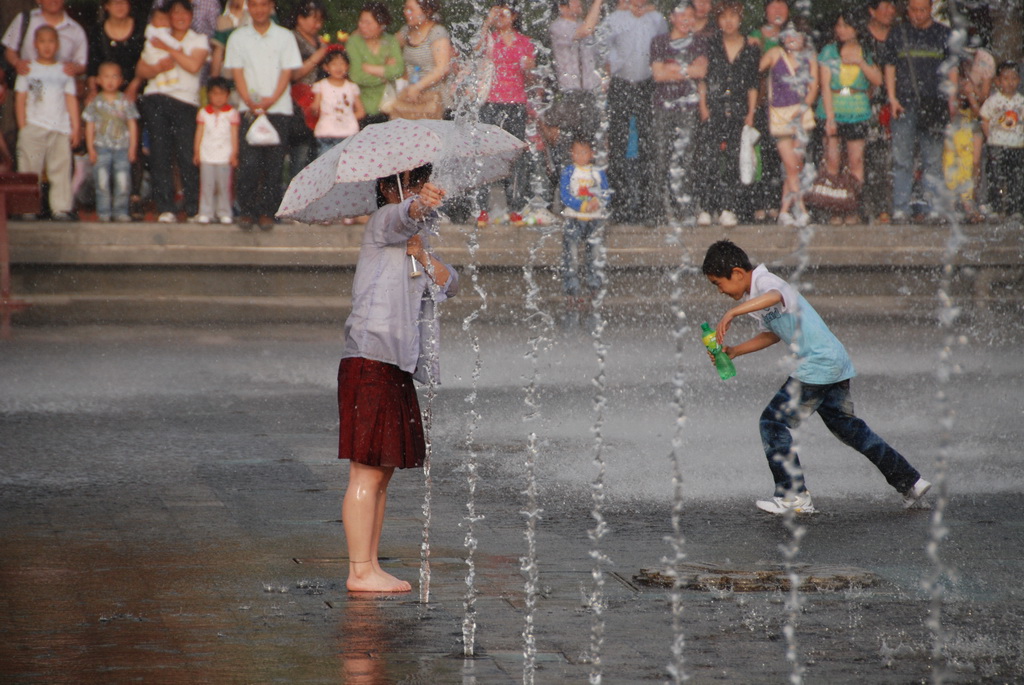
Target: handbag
(430, 106)
(782, 121)
(303, 96)
(839, 193)
(388, 97)
(262, 133)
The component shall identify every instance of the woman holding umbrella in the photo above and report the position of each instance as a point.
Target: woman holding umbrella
(391, 338)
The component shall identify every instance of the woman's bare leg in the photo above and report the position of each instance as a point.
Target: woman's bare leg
(792, 162)
(855, 159)
(362, 513)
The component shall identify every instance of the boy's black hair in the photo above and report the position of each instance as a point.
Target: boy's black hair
(1004, 65)
(582, 139)
(417, 177)
(218, 82)
(46, 28)
(724, 256)
(107, 64)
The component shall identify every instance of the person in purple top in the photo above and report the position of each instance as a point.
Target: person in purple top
(391, 338)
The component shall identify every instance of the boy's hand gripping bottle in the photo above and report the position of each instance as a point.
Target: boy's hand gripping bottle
(726, 369)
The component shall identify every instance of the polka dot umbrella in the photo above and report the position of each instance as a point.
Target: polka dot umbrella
(342, 181)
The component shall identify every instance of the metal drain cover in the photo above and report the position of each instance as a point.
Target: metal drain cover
(760, 578)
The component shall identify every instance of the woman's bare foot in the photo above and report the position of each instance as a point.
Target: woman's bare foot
(375, 581)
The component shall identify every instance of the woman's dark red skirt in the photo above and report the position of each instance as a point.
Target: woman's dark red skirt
(380, 415)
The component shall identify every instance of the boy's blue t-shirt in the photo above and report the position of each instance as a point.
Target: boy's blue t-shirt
(823, 359)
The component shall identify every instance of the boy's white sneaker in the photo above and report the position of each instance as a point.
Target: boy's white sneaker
(167, 218)
(799, 503)
(911, 496)
(703, 219)
(728, 219)
(226, 220)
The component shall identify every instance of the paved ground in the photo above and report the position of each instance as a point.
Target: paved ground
(171, 500)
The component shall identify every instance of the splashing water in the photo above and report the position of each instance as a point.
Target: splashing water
(941, 572)
(470, 465)
(428, 481)
(540, 323)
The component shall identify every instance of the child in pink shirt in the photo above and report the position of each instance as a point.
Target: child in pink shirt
(336, 99)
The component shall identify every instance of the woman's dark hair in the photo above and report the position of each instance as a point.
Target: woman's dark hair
(308, 8)
(379, 11)
(431, 8)
(854, 17)
(416, 178)
(724, 256)
(184, 4)
(734, 6)
(218, 82)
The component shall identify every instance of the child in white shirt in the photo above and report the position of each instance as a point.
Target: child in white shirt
(216, 152)
(46, 109)
(1002, 120)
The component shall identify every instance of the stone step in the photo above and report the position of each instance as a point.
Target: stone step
(148, 272)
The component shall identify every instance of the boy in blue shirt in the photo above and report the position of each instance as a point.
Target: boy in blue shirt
(822, 378)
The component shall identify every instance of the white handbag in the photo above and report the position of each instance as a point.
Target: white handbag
(262, 133)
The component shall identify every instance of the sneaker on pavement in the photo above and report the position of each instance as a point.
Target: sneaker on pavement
(728, 219)
(123, 218)
(911, 496)
(226, 220)
(167, 218)
(62, 216)
(799, 503)
(245, 222)
(703, 219)
(786, 219)
(516, 219)
(200, 219)
(483, 219)
(266, 223)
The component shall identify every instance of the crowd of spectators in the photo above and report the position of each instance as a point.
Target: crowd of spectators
(887, 103)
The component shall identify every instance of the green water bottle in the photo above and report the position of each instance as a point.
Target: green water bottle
(726, 369)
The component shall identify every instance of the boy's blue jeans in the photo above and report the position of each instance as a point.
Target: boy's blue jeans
(579, 237)
(835, 407)
(112, 175)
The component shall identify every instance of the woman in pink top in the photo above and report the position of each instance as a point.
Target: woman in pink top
(513, 56)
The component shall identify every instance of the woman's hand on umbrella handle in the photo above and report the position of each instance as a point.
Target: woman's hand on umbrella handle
(431, 196)
(414, 248)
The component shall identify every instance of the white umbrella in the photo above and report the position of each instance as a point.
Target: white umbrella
(342, 182)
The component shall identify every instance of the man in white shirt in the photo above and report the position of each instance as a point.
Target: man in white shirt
(260, 58)
(74, 46)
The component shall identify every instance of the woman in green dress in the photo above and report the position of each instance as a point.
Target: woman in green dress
(376, 59)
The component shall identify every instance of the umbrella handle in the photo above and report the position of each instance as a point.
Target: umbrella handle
(415, 268)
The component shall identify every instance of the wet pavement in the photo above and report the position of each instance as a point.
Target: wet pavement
(171, 500)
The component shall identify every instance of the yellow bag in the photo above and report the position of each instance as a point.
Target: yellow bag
(782, 120)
